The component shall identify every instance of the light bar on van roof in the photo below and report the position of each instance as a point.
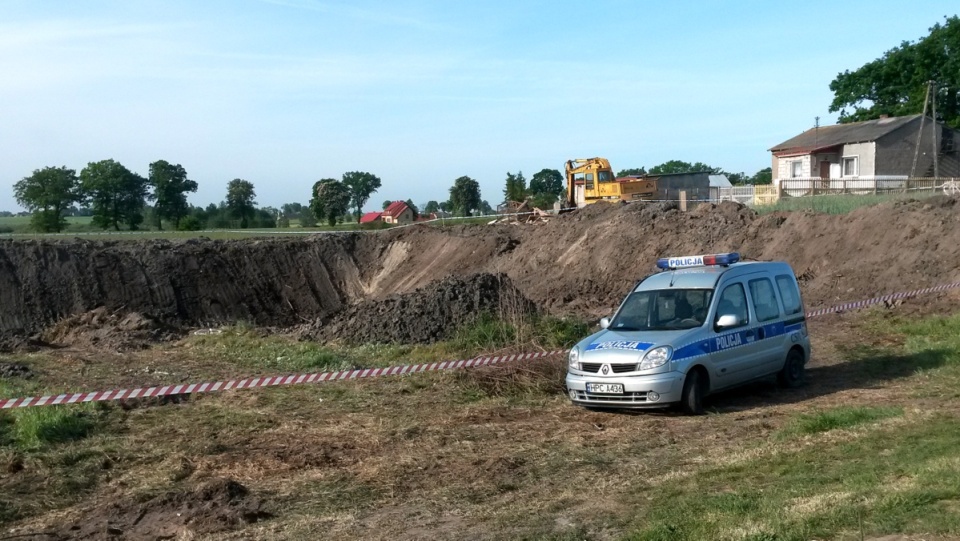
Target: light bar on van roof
(698, 260)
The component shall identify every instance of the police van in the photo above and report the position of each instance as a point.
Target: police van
(702, 324)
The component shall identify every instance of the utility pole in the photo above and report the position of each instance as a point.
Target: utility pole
(916, 152)
(933, 124)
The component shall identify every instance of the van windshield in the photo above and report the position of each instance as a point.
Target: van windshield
(663, 310)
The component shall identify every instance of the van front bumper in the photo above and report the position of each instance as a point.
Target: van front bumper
(667, 389)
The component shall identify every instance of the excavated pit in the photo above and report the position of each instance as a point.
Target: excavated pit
(579, 263)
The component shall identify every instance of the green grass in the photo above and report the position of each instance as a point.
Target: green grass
(895, 479)
(838, 204)
(247, 347)
(842, 417)
(811, 480)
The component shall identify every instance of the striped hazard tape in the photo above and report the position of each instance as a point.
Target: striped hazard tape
(296, 379)
(880, 300)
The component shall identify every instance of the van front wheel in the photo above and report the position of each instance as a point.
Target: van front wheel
(791, 375)
(694, 388)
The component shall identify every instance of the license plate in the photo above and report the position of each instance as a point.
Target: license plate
(605, 388)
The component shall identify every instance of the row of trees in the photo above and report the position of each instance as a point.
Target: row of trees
(115, 195)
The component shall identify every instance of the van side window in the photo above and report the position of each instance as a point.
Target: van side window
(789, 294)
(733, 301)
(764, 299)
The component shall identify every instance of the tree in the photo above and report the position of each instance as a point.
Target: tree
(677, 166)
(763, 176)
(316, 206)
(386, 204)
(170, 186)
(545, 188)
(115, 194)
(516, 188)
(333, 198)
(241, 201)
(291, 210)
(465, 196)
(634, 172)
(48, 193)
(361, 186)
(896, 83)
(547, 181)
(431, 207)
(485, 208)
(416, 211)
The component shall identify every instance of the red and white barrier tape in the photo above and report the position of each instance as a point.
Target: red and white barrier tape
(270, 381)
(878, 300)
(296, 379)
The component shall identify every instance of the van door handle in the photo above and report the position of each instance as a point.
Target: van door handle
(760, 333)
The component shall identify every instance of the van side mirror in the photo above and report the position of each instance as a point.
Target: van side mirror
(604, 322)
(727, 320)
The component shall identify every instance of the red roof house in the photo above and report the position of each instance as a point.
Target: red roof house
(370, 217)
(398, 213)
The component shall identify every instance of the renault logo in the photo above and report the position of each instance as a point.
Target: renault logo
(605, 368)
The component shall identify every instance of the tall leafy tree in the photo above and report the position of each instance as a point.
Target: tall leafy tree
(333, 199)
(465, 196)
(170, 186)
(635, 171)
(431, 207)
(241, 201)
(316, 205)
(362, 186)
(516, 187)
(546, 186)
(115, 194)
(48, 193)
(896, 83)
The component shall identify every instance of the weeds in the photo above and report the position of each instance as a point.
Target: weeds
(842, 417)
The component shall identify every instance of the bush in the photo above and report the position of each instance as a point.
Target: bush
(190, 223)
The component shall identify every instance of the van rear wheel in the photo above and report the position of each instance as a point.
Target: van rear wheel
(694, 387)
(791, 375)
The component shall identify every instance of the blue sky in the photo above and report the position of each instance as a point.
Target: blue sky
(285, 92)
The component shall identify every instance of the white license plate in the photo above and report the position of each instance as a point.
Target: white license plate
(605, 388)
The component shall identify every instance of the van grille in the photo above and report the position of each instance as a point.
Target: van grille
(593, 368)
(625, 398)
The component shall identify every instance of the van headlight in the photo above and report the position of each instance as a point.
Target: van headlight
(656, 357)
(573, 359)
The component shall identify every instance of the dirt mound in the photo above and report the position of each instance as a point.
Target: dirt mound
(110, 330)
(425, 315)
(582, 262)
(14, 370)
(219, 505)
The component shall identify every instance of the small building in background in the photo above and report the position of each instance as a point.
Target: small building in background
(397, 213)
(717, 182)
(370, 217)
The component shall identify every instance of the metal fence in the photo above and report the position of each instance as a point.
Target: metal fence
(802, 187)
(799, 187)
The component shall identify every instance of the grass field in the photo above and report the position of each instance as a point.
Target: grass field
(866, 449)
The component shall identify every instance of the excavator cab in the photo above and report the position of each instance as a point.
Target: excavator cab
(592, 179)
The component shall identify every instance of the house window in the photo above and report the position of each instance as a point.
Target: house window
(796, 169)
(851, 166)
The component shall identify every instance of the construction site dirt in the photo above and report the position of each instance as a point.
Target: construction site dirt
(579, 263)
(488, 453)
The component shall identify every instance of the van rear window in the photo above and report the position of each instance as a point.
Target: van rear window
(790, 294)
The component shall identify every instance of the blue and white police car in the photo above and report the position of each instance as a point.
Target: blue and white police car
(702, 324)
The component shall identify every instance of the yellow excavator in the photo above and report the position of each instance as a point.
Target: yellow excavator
(591, 179)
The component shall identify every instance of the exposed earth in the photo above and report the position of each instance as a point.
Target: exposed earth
(122, 294)
(234, 465)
